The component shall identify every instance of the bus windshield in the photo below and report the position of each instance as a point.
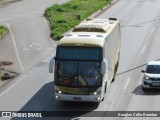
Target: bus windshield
(78, 67)
(78, 74)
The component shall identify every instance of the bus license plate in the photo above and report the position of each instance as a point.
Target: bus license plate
(156, 84)
(76, 98)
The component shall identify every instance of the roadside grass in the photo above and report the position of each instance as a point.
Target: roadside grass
(3, 30)
(66, 16)
(1, 73)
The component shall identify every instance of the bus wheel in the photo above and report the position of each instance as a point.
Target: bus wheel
(116, 67)
(113, 80)
(115, 70)
(105, 88)
(103, 98)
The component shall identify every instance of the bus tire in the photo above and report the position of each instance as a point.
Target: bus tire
(117, 64)
(105, 88)
(113, 80)
(116, 67)
(115, 70)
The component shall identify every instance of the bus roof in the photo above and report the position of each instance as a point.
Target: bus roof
(91, 33)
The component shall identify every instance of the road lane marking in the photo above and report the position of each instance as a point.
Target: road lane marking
(35, 44)
(152, 30)
(126, 19)
(135, 9)
(125, 86)
(15, 47)
(143, 49)
(10, 87)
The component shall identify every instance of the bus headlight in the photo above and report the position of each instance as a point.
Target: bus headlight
(58, 91)
(98, 99)
(57, 97)
(95, 93)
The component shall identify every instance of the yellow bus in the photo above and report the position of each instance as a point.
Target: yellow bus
(86, 60)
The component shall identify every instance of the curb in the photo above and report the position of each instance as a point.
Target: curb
(99, 12)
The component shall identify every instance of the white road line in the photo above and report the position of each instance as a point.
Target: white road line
(135, 9)
(35, 44)
(152, 30)
(15, 47)
(125, 86)
(143, 49)
(17, 81)
(126, 19)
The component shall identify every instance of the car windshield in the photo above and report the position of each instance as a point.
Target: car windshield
(78, 73)
(153, 69)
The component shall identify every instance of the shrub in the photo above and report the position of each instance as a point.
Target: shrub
(66, 16)
(3, 30)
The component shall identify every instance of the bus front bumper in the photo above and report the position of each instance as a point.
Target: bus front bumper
(81, 98)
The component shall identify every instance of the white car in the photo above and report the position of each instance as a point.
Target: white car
(151, 77)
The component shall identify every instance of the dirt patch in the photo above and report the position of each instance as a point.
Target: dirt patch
(9, 67)
(5, 75)
(3, 63)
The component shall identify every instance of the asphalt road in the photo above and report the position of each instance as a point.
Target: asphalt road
(29, 31)
(140, 29)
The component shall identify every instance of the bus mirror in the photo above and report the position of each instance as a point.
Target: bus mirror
(103, 66)
(143, 71)
(51, 63)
